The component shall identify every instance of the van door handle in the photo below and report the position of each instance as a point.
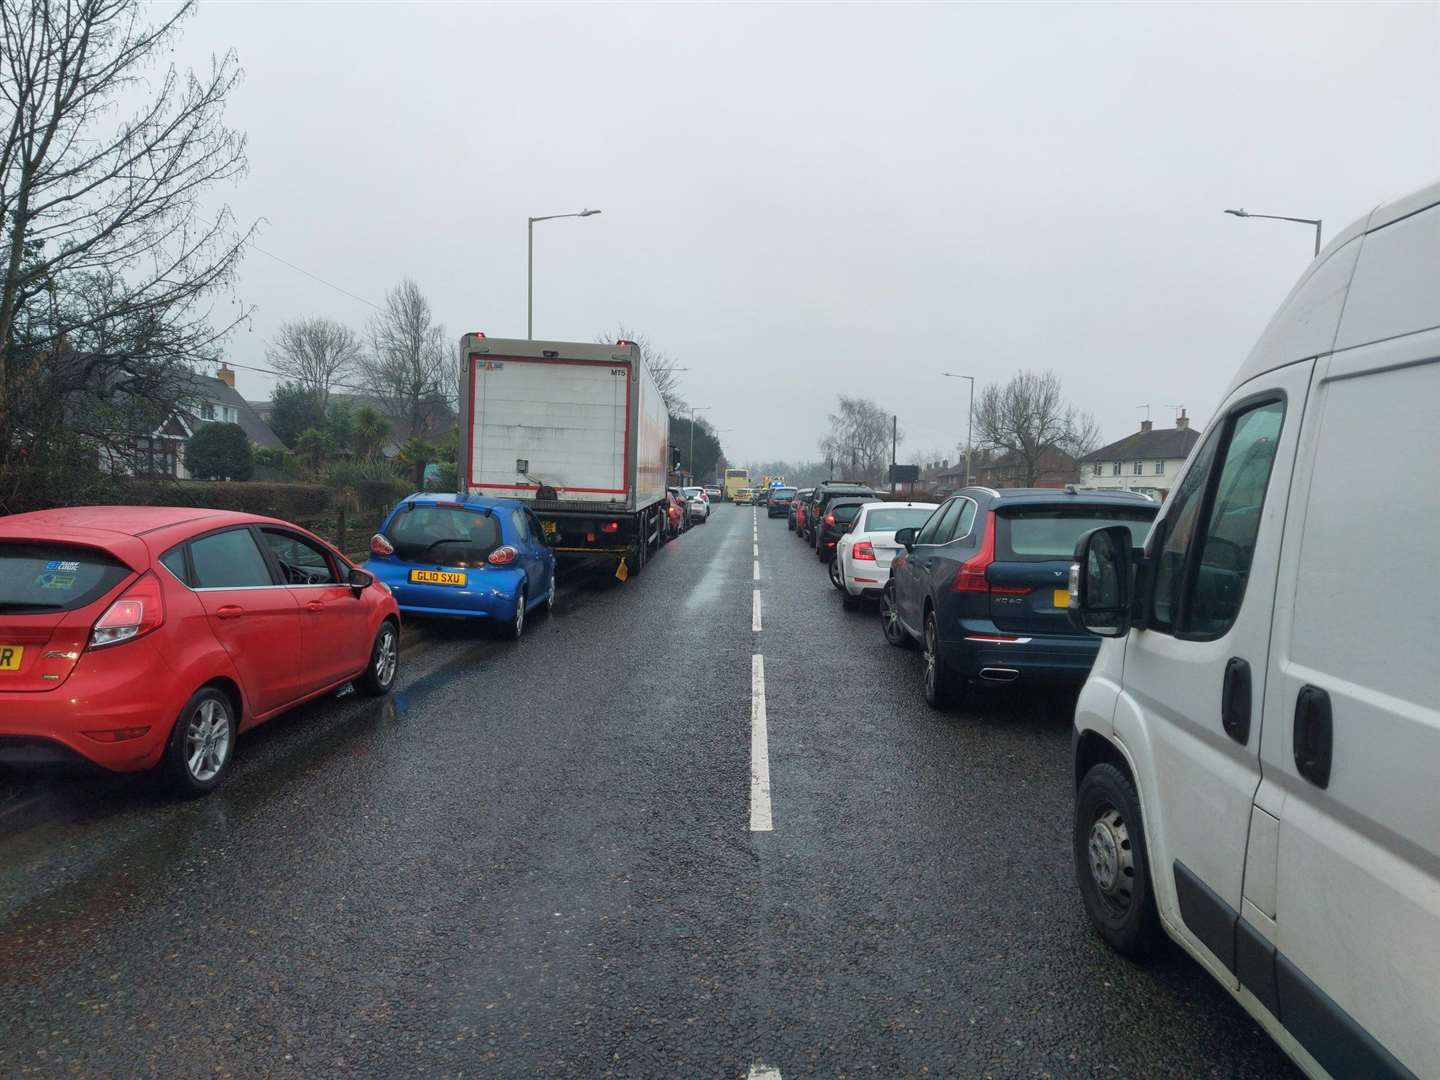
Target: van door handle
(1235, 700)
(229, 611)
(1314, 735)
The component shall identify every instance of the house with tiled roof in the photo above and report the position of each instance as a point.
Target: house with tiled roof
(209, 399)
(1147, 462)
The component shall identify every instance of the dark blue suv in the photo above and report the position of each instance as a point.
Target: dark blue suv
(983, 585)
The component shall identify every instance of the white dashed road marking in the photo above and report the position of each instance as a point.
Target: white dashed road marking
(763, 1072)
(755, 612)
(760, 818)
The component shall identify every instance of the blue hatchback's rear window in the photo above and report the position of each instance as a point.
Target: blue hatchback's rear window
(444, 535)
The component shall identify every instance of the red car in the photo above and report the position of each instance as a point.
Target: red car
(150, 637)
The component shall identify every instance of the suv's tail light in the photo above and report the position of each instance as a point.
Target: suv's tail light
(864, 551)
(502, 556)
(972, 574)
(140, 609)
(829, 519)
(381, 546)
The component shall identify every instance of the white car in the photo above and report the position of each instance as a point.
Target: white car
(697, 503)
(861, 566)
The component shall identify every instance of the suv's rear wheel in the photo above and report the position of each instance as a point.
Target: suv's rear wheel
(941, 687)
(1112, 866)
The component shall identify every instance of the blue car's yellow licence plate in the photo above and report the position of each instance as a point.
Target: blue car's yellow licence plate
(437, 577)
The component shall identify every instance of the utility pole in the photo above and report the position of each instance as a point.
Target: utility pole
(894, 448)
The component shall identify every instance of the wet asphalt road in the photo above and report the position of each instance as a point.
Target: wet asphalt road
(535, 861)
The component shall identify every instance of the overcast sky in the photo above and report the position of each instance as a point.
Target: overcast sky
(801, 201)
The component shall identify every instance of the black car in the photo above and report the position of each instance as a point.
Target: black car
(840, 514)
(983, 585)
(827, 493)
(792, 511)
(778, 505)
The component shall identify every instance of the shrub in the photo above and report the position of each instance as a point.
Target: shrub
(220, 452)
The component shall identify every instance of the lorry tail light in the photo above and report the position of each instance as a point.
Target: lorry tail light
(381, 546)
(140, 609)
(864, 550)
(610, 527)
(502, 556)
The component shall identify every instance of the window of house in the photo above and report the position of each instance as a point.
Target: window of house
(1099, 469)
(231, 414)
(1139, 468)
(1159, 468)
(1115, 469)
(207, 410)
(155, 456)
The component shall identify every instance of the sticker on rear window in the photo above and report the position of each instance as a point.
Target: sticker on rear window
(63, 567)
(56, 581)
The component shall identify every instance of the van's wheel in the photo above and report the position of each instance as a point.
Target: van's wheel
(202, 744)
(941, 687)
(890, 619)
(379, 677)
(1112, 865)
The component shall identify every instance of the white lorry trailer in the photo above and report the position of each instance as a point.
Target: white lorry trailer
(578, 430)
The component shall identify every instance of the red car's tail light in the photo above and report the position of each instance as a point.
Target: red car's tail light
(381, 546)
(140, 609)
(124, 734)
(502, 556)
(864, 551)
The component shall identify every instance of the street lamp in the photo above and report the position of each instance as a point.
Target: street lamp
(530, 266)
(690, 461)
(1278, 217)
(970, 424)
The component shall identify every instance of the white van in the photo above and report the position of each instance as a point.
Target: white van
(1257, 749)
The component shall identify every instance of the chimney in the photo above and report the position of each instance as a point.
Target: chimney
(1182, 421)
(1146, 425)
(226, 374)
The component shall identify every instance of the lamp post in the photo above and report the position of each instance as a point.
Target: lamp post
(1278, 217)
(530, 266)
(970, 423)
(690, 461)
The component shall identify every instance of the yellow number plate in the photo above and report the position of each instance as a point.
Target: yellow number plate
(549, 527)
(10, 656)
(1062, 598)
(437, 577)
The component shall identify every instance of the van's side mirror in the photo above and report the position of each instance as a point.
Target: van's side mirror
(1101, 584)
(906, 538)
(359, 580)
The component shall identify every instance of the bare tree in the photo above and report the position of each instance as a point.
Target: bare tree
(316, 354)
(1028, 417)
(662, 366)
(105, 260)
(411, 368)
(859, 442)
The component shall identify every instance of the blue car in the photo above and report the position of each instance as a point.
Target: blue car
(465, 556)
